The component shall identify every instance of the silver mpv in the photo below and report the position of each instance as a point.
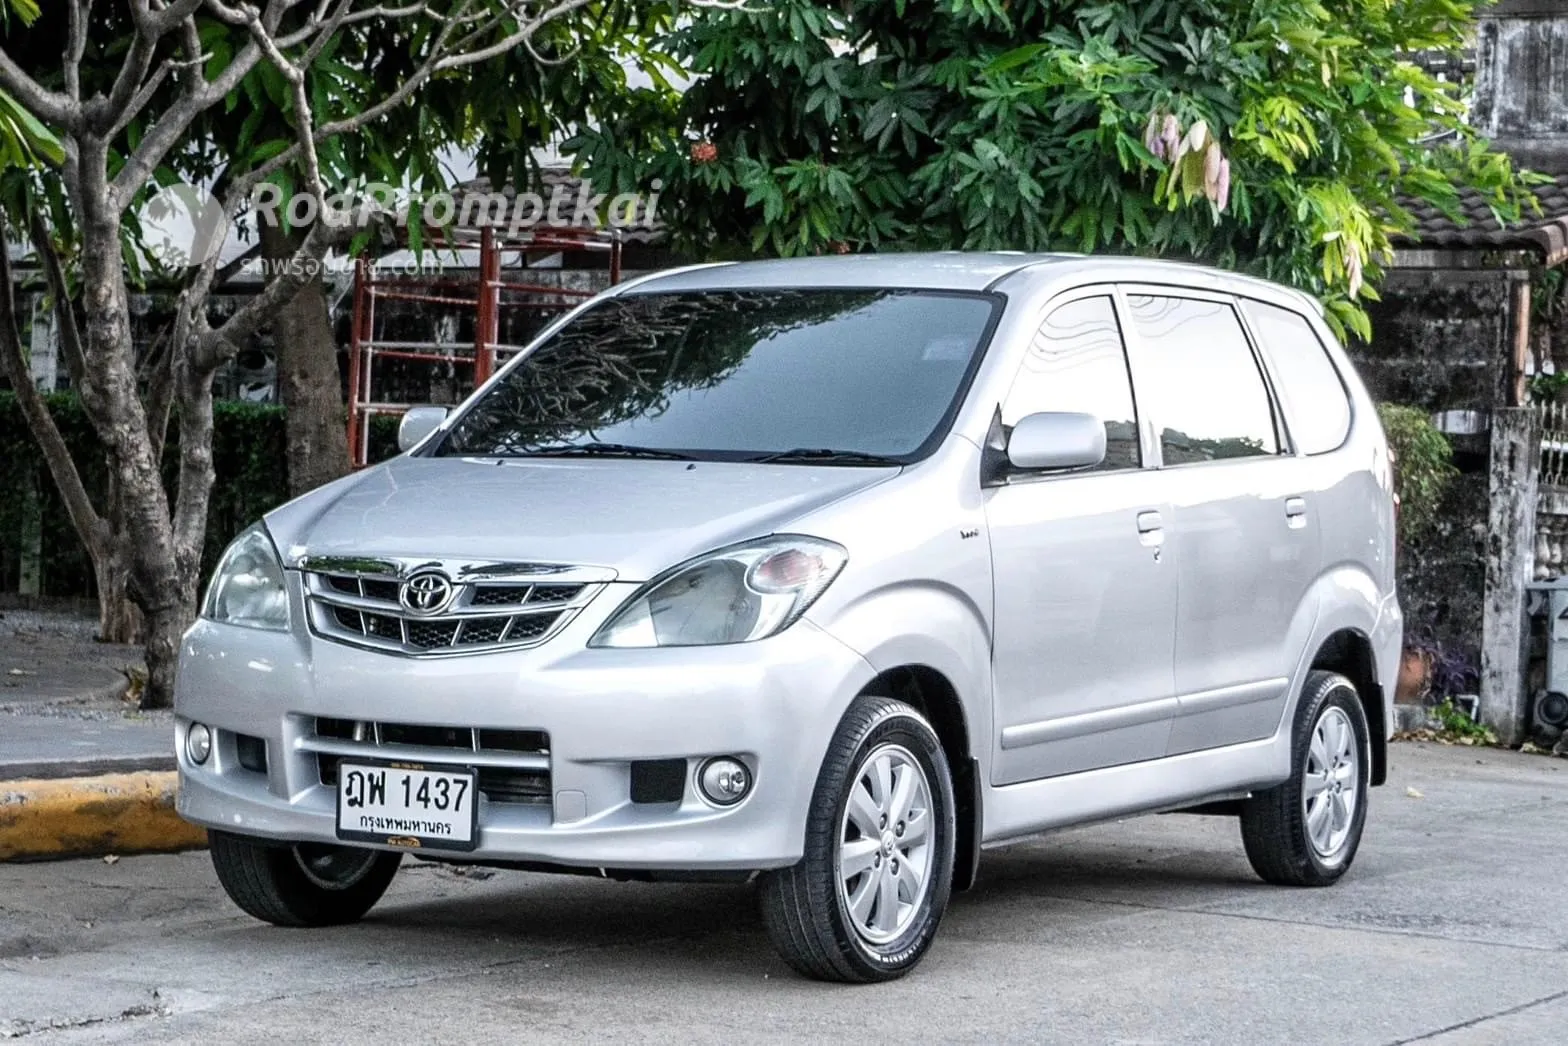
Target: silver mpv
(828, 573)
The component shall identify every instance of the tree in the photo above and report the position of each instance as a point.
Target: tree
(132, 86)
(1268, 135)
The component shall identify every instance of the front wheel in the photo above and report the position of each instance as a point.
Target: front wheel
(306, 884)
(864, 901)
(1305, 832)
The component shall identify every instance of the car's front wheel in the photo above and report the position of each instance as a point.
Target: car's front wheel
(864, 901)
(1305, 832)
(305, 884)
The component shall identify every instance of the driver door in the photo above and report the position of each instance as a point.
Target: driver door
(1085, 590)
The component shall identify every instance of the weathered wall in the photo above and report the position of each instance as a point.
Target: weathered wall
(1441, 341)
(1522, 81)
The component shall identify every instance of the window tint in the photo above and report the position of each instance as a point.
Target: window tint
(1077, 362)
(1201, 383)
(1316, 404)
(731, 375)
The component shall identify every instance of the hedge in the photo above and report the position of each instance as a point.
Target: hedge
(248, 459)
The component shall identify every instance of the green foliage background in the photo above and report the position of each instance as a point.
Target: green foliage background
(248, 456)
(820, 126)
(1423, 467)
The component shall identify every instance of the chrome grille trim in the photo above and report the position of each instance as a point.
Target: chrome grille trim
(424, 753)
(495, 606)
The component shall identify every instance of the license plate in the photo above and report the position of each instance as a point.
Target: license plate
(408, 804)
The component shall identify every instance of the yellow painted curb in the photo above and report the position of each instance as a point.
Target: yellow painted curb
(85, 816)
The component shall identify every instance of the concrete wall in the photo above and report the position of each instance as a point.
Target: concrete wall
(1442, 341)
(1522, 80)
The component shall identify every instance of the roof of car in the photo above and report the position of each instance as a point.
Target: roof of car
(944, 270)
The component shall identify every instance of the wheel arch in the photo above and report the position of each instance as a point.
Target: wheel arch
(1349, 652)
(933, 695)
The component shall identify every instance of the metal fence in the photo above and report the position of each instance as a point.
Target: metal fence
(1554, 443)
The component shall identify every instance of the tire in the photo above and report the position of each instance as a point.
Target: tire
(1305, 832)
(302, 885)
(878, 923)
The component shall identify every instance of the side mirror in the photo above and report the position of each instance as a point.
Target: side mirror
(1056, 441)
(418, 422)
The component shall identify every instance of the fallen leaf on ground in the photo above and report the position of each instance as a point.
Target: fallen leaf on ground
(111, 858)
(1413, 794)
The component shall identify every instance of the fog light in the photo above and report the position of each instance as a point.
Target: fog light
(198, 743)
(724, 781)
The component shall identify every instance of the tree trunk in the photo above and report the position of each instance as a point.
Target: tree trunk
(308, 377)
(119, 619)
(141, 522)
(164, 628)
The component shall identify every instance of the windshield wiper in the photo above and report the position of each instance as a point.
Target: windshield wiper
(609, 450)
(827, 456)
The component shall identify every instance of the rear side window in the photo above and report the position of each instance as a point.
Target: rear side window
(1316, 404)
(1077, 362)
(1200, 382)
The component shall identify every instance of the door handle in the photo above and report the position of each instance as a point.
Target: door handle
(1296, 512)
(1151, 530)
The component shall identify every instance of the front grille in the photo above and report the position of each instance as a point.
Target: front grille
(485, 749)
(503, 606)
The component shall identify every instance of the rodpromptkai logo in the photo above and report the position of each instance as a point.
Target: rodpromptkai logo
(182, 226)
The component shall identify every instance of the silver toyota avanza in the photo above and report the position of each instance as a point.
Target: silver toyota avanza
(829, 573)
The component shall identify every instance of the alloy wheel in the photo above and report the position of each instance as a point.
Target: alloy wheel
(885, 854)
(1331, 788)
(334, 867)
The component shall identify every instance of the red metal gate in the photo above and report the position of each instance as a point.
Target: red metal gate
(488, 296)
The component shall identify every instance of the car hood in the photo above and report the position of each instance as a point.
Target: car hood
(634, 516)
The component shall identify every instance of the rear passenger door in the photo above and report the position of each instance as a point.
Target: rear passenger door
(1246, 547)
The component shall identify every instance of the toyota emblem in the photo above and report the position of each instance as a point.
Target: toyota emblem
(426, 593)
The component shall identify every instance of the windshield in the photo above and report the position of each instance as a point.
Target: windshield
(823, 376)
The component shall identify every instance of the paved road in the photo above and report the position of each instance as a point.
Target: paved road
(1452, 928)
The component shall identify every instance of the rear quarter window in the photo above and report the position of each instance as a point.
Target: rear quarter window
(1317, 406)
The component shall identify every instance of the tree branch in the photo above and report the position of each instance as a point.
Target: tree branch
(65, 313)
(49, 106)
(62, 469)
(169, 128)
(75, 47)
(213, 346)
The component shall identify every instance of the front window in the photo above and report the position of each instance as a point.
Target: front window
(833, 376)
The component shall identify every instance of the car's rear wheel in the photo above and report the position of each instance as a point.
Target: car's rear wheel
(1305, 832)
(864, 902)
(304, 884)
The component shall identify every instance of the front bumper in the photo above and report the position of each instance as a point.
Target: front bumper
(774, 703)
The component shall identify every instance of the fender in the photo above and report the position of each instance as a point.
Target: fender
(933, 625)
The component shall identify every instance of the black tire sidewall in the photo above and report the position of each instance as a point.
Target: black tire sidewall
(905, 728)
(266, 881)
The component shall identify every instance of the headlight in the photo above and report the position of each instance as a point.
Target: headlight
(737, 594)
(247, 588)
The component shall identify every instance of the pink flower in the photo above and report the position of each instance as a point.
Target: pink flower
(1170, 135)
(1212, 158)
(1152, 137)
(1222, 191)
(1353, 266)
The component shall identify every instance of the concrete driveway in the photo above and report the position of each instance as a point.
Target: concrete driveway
(1451, 928)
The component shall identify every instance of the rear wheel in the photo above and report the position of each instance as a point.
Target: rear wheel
(865, 900)
(1305, 832)
(304, 884)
